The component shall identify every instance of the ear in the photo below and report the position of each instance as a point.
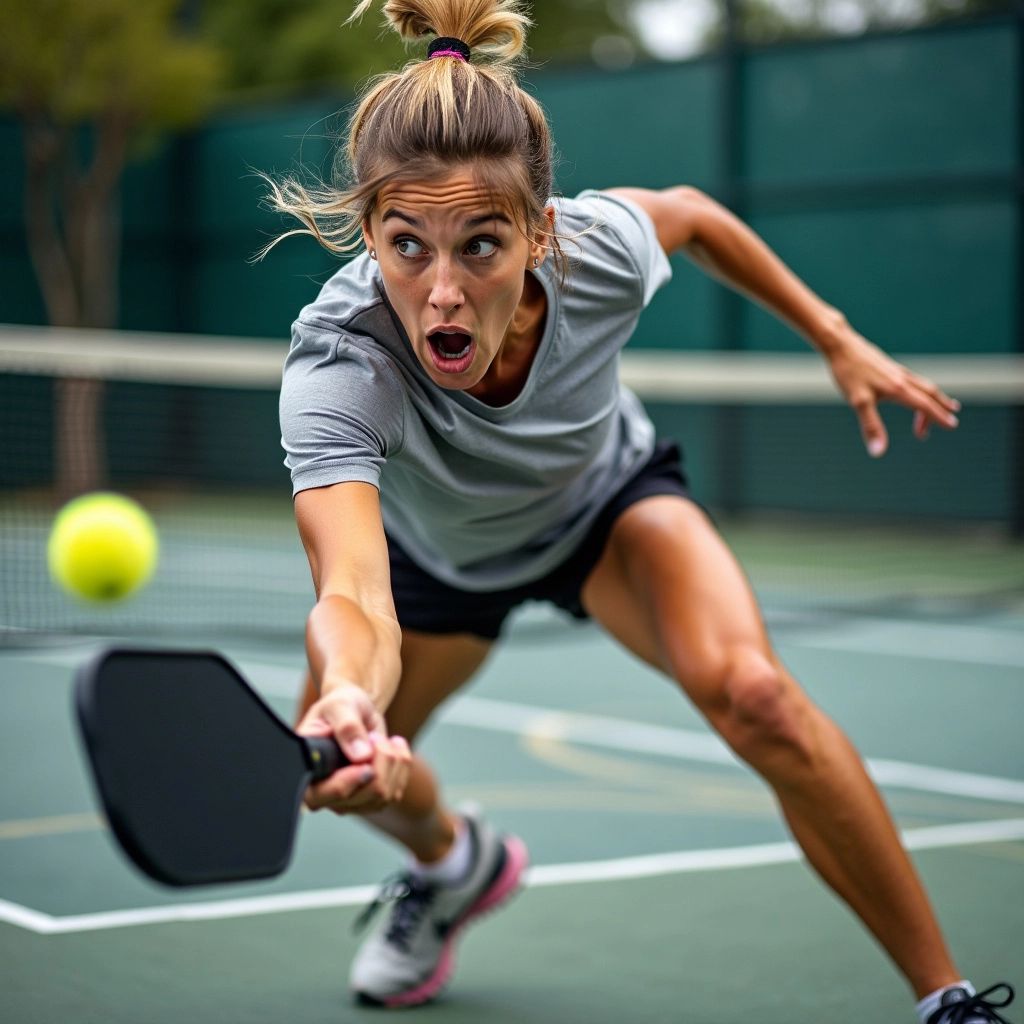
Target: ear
(540, 247)
(368, 235)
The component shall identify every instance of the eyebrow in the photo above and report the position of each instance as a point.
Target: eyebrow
(473, 222)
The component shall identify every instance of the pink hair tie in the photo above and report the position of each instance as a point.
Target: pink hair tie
(448, 46)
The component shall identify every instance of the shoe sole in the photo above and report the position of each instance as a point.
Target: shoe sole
(499, 892)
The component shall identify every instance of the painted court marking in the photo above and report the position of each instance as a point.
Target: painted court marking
(595, 730)
(689, 745)
(620, 869)
(640, 737)
(928, 641)
(275, 680)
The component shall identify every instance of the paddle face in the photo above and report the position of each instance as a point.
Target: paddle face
(200, 780)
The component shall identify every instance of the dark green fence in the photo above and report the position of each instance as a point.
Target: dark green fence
(886, 170)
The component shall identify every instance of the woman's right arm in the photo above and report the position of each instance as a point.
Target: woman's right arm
(353, 643)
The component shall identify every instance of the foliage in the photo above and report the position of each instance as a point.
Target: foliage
(282, 46)
(88, 79)
(768, 21)
(76, 61)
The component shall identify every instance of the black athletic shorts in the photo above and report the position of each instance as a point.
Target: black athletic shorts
(426, 604)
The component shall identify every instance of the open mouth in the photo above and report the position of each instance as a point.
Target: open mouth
(452, 351)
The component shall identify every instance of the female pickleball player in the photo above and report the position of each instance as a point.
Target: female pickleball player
(459, 443)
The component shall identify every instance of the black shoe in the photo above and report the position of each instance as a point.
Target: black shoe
(960, 1007)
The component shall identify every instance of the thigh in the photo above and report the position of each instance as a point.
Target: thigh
(670, 590)
(434, 666)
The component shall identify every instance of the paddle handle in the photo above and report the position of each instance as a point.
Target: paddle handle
(324, 756)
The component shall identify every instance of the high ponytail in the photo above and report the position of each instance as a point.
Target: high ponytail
(495, 29)
(416, 123)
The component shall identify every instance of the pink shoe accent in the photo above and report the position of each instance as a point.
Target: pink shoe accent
(516, 861)
(508, 881)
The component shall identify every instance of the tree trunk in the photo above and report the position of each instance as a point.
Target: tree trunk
(45, 148)
(73, 241)
(80, 463)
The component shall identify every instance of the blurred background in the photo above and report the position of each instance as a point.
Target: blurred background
(878, 146)
(875, 144)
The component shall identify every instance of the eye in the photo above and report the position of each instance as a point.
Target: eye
(483, 247)
(408, 247)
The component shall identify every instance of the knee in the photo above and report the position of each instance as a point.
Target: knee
(758, 709)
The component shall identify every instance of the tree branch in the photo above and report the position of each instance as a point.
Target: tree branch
(44, 145)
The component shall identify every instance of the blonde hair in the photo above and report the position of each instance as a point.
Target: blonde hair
(417, 123)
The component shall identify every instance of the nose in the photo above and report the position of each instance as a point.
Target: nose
(445, 291)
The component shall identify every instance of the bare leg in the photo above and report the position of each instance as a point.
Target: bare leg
(670, 590)
(433, 667)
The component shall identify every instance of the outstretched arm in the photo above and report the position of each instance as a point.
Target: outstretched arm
(353, 645)
(688, 221)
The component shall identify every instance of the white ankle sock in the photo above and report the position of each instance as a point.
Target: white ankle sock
(454, 865)
(932, 1002)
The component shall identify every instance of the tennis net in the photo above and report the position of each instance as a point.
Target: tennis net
(188, 426)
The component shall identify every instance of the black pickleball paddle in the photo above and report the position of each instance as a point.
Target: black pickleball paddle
(200, 780)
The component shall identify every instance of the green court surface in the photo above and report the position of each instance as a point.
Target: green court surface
(664, 887)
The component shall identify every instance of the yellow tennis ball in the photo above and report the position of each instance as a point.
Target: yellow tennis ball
(102, 546)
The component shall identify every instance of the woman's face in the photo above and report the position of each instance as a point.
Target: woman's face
(454, 265)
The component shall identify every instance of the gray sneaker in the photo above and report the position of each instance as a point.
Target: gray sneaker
(410, 958)
(960, 1007)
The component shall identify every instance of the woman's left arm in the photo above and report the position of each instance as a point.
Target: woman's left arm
(686, 220)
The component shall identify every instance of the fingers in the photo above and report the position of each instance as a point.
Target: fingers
(876, 438)
(352, 724)
(348, 715)
(867, 376)
(922, 426)
(930, 404)
(380, 765)
(949, 405)
(345, 790)
(391, 765)
(368, 787)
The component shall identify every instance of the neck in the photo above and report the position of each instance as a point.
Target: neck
(511, 366)
(528, 320)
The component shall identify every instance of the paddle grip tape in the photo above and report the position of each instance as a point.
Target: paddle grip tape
(324, 756)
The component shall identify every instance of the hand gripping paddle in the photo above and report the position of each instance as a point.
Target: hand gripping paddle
(200, 780)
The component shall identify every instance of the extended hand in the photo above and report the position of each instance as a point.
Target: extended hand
(867, 376)
(379, 769)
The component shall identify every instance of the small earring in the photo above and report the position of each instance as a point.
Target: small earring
(536, 261)
(373, 254)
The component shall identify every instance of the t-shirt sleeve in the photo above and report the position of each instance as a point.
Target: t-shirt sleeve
(342, 409)
(634, 231)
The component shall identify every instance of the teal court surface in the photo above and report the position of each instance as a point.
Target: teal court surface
(663, 888)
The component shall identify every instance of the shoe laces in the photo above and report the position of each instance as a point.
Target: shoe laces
(980, 1007)
(410, 898)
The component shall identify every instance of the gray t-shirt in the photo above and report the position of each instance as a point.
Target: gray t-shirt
(482, 497)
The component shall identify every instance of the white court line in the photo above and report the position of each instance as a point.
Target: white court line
(620, 869)
(689, 745)
(596, 730)
(25, 917)
(640, 737)
(275, 680)
(928, 641)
